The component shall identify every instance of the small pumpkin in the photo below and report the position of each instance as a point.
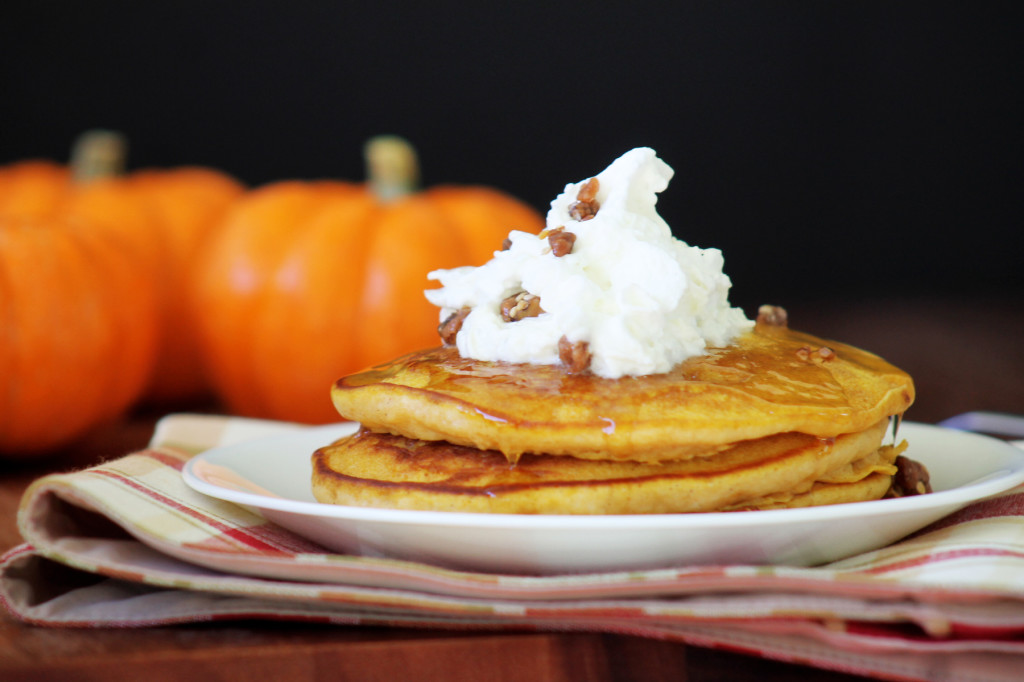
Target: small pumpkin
(308, 281)
(78, 304)
(187, 205)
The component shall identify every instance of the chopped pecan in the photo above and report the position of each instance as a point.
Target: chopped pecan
(808, 354)
(586, 206)
(506, 244)
(773, 316)
(519, 306)
(588, 192)
(561, 241)
(911, 478)
(451, 325)
(575, 356)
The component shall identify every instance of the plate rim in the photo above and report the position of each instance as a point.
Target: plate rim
(983, 485)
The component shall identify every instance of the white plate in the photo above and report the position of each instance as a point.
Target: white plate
(272, 475)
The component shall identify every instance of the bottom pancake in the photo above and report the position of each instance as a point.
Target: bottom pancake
(874, 487)
(387, 471)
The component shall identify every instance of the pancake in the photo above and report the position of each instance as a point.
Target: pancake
(873, 487)
(375, 469)
(771, 380)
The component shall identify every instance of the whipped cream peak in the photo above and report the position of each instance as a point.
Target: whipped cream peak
(606, 278)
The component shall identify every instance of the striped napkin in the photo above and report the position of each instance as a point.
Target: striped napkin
(128, 544)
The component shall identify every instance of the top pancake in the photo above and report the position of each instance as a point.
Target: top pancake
(771, 380)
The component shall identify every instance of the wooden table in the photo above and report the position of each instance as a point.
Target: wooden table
(965, 354)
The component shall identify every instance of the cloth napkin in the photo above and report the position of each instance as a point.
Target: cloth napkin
(128, 544)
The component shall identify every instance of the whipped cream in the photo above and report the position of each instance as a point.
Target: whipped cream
(640, 299)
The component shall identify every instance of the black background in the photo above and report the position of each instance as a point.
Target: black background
(832, 150)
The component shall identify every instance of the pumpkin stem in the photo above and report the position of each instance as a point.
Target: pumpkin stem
(98, 154)
(392, 170)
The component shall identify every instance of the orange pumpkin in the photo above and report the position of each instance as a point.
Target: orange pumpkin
(308, 281)
(78, 305)
(187, 204)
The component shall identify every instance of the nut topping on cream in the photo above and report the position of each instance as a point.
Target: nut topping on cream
(575, 356)
(561, 241)
(520, 306)
(622, 291)
(450, 326)
(586, 205)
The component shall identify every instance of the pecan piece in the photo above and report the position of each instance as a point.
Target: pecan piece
(506, 244)
(561, 241)
(449, 329)
(519, 306)
(575, 356)
(588, 192)
(773, 316)
(808, 354)
(911, 478)
(586, 206)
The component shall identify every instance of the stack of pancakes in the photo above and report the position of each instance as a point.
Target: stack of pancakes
(777, 419)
